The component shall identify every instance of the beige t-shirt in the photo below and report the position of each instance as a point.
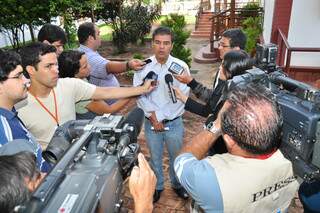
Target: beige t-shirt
(39, 122)
(82, 104)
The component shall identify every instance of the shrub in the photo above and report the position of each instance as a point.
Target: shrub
(252, 27)
(250, 10)
(132, 24)
(177, 24)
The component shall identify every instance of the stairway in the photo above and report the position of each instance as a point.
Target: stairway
(204, 26)
(204, 56)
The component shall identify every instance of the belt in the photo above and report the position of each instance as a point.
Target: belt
(166, 120)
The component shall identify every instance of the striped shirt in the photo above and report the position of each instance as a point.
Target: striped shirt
(99, 75)
(12, 128)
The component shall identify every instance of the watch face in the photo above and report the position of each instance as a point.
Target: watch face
(211, 127)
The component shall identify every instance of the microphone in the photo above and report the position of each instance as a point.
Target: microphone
(169, 80)
(150, 76)
(132, 125)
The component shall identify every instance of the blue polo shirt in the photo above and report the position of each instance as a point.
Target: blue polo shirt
(12, 128)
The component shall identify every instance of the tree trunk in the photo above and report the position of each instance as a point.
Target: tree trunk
(92, 16)
(31, 32)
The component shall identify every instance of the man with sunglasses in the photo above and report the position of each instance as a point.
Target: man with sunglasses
(13, 88)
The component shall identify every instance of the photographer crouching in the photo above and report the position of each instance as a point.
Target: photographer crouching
(253, 175)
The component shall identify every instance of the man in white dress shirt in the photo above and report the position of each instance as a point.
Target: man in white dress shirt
(163, 122)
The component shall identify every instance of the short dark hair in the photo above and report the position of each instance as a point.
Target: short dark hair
(52, 33)
(14, 169)
(236, 63)
(84, 31)
(31, 53)
(253, 118)
(237, 38)
(163, 31)
(69, 63)
(9, 60)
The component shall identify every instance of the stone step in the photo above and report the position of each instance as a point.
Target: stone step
(204, 28)
(204, 23)
(200, 36)
(207, 23)
(201, 32)
(204, 56)
(204, 20)
(205, 17)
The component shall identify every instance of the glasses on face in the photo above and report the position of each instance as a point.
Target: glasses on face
(223, 45)
(19, 75)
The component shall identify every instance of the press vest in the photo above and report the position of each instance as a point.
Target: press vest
(254, 185)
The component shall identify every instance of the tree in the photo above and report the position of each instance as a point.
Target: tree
(130, 23)
(16, 15)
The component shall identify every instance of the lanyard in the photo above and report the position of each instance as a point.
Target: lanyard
(55, 117)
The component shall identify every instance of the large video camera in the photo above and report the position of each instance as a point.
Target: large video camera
(300, 106)
(92, 158)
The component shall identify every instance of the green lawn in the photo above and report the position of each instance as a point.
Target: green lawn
(106, 32)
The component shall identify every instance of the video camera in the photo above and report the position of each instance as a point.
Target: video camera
(92, 158)
(300, 106)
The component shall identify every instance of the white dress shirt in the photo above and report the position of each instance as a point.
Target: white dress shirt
(159, 99)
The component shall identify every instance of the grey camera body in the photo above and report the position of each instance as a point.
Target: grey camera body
(88, 175)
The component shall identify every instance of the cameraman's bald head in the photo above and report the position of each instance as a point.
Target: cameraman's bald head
(251, 117)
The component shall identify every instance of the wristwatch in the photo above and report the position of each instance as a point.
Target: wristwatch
(211, 127)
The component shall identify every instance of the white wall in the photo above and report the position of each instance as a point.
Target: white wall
(268, 15)
(304, 31)
(269, 7)
(181, 7)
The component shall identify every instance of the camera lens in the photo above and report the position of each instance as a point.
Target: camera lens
(55, 150)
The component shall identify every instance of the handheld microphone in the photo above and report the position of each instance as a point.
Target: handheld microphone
(151, 76)
(169, 80)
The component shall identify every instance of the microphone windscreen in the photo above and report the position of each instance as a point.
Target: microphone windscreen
(168, 78)
(135, 118)
(150, 75)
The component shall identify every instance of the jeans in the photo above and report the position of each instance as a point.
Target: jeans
(173, 139)
(309, 194)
